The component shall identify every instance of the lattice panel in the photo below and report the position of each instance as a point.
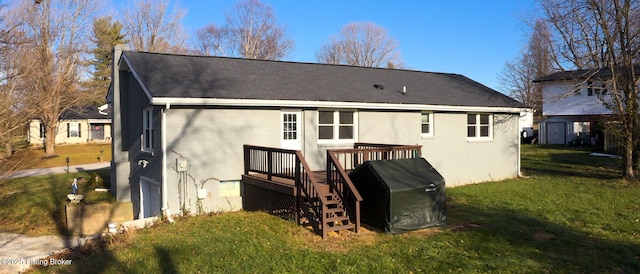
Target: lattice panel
(256, 198)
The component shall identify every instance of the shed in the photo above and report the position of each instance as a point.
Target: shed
(401, 195)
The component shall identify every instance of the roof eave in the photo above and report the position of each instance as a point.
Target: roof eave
(169, 101)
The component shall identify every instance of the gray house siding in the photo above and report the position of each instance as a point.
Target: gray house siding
(389, 127)
(459, 160)
(211, 139)
(153, 159)
(133, 101)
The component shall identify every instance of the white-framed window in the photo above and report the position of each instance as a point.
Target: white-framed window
(290, 126)
(337, 126)
(147, 129)
(479, 126)
(73, 130)
(426, 124)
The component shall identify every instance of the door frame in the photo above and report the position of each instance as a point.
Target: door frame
(295, 144)
(146, 191)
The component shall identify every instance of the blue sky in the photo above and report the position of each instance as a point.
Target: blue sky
(468, 37)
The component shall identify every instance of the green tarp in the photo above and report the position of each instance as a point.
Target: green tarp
(400, 195)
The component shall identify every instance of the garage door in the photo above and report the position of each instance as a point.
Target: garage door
(556, 133)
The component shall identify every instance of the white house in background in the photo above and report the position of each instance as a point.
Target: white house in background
(89, 124)
(175, 113)
(573, 108)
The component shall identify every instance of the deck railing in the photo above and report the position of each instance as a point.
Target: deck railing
(287, 164)
(338, 180)
(353, 157)
(270, 161)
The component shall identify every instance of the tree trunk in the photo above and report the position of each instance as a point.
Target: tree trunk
(629, 172)
(50, 139)
(8, 150)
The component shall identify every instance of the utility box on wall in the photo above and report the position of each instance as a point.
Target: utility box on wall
(182, 165)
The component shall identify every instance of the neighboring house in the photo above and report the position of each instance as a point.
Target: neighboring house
(180, 123)
(573, 110)
(89, 124)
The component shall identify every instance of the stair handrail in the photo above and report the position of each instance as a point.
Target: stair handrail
(305, 169)
(349, 195)
(300, 173)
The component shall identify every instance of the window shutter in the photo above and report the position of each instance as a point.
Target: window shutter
(68, 130)
(79, 130)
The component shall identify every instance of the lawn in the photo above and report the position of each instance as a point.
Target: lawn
(36, 205)
(570, 214)
(28, 158)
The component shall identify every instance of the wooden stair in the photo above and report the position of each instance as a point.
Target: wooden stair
(334, 217)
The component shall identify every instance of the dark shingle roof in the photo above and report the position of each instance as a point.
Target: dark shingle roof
(180, 76)
(572, 75)
(582, 74)
(85, 112)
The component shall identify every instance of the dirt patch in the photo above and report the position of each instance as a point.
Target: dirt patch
(346, 240)
(542, 236)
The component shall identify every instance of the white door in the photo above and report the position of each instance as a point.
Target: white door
(556, 133)
(291, 130)
(149, 199)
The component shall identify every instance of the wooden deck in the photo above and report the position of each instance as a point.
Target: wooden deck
(280, 182)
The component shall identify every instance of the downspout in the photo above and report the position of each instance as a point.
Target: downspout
(519, 153)
(165, 202)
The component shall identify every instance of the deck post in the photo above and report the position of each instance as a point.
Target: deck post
(269, 164)
(247, 159)
(298, 182)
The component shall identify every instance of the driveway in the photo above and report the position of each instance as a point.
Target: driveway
(19, 252)
(53, 170)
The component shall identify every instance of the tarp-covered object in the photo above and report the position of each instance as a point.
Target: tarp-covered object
(400, 195)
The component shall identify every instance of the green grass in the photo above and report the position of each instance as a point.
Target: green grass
(573, 214)
(29, 158)
(36, 205)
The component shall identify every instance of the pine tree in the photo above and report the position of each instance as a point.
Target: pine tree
(106, 34)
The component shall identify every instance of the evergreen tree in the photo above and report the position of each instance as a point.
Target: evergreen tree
(106, 34)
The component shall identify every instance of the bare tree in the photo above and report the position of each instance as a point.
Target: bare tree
(12, 116)
(150, 27)
(254, 33)
(361, 44)
(49, 62)
(602, 35)
(211, 40)
(9, 106)
(536, 61)
(251, 31)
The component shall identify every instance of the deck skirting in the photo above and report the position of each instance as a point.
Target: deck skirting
(260, 194)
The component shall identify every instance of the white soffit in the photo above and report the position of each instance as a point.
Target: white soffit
(322, 104)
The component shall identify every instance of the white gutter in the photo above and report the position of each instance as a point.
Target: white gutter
(519, 161)
(165, 201)
(323, 104)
